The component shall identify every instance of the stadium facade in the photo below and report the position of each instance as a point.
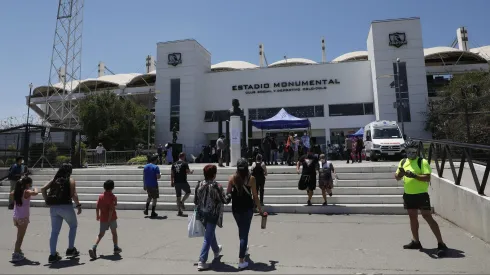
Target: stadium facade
(393, 80)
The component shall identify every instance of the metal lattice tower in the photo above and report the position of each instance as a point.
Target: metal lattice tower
(66, 66)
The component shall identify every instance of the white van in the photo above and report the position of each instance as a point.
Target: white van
(383, 139)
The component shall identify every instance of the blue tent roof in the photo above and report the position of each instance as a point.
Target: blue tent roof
(282, 120)
(359, 133)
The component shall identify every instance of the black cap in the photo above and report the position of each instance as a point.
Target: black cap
(242, 164)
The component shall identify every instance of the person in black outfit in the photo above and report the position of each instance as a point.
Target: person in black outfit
(160, 154)
(359, 146)
(178, 179)
(310, 166)
(242, 191)
(281, 152)
(259, 171)
(273, 158)
(266, 148)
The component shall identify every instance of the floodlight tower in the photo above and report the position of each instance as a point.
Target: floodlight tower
(66, 66)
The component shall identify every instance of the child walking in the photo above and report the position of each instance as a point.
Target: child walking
(106, 214)
(22, 202)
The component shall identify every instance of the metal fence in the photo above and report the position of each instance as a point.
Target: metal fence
(441, 152)
(109, 157)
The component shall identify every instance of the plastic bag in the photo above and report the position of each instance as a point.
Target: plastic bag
(335, 179)
(195, 227)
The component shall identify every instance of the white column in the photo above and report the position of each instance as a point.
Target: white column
(235, 131)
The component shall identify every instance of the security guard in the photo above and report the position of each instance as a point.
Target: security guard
(415, 172)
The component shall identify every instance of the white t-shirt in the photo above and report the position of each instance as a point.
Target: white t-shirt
(99, 149)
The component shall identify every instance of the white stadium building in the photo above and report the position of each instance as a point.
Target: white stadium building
(344, 94)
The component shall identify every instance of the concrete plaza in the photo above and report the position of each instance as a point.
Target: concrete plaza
(290, 244)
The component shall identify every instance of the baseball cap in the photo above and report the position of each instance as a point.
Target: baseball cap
(242, 164)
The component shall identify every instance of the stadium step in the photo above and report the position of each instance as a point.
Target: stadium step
(361, 189)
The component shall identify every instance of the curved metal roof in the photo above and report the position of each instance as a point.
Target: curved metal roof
(292, 61)
(352, 56)
(448, 52)
(482, 51)
(233, 65)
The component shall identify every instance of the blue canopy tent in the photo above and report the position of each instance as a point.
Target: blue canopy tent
(359, 133)
(282, 120)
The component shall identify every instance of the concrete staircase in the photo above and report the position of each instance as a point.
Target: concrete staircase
(367, 188)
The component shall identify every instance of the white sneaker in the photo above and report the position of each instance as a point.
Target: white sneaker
(216, 255)
(243, 265)
(203, 266)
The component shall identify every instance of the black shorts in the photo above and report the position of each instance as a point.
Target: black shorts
(417, 201)
(312, 184)
(182, 186)
(153, 192)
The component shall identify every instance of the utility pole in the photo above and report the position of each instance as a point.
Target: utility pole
(466, 115)
(399, 101)
(26, 135)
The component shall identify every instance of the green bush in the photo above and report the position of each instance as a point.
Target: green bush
(52, 151)
(138, 160)
(62, 159)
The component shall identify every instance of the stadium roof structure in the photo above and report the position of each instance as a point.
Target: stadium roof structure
(451, 56)
(433, 57)
(352, 56)
(482, 51)
(292, 62)
(232, 66)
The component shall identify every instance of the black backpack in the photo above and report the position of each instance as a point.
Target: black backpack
(56, 194)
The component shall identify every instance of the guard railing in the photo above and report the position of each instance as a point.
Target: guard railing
(440, 152)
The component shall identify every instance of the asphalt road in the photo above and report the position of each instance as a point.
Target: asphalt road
(290, 244)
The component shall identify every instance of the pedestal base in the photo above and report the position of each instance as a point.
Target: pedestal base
(235, 137)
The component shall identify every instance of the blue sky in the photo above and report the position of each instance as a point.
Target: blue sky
(122, 32)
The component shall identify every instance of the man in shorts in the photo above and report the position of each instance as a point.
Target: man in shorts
(151, 175)
(415, 172)
(178, 179)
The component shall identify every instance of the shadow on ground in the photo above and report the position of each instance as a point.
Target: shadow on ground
(156, 218)
(451, 253)
(65, 263)
(25, 262)
(219, 266)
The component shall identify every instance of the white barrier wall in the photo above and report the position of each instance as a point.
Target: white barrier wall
(461, 206)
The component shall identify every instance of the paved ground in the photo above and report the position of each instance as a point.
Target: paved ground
(290, 244)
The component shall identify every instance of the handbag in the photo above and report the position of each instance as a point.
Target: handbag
(195, 227)
(303, 182)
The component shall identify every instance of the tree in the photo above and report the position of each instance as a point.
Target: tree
(462, 110)
(117, 122)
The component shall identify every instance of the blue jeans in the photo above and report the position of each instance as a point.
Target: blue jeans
(209, 241)
(59, 213)
(243, 221)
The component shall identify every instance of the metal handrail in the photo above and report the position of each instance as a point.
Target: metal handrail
(443, 149)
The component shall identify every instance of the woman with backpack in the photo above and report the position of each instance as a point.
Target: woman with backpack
(209, 199)
(243, 192)
(259, 172)
(59, 194)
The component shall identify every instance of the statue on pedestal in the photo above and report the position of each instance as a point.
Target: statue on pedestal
(235, 110)
(175, 132)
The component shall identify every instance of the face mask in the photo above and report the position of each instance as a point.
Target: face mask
(411, 154)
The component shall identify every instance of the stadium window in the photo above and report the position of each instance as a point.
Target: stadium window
(354, 109)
